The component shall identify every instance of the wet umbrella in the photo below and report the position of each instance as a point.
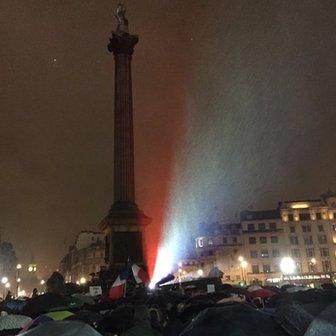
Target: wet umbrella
(44, 303)
(233, 320)
(9, 322)
(260, 293)
(63, 328)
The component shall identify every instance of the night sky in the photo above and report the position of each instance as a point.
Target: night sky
(234, 106)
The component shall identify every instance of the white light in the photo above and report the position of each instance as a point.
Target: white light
(22, 293)
(4, 280)
(82, 281)
(18, 279)
(18, 266)
(243, 264)
(30, 269)
(240, 259)
(7, 285)
(200, 272)
(163, 266)
(77, 282)
(287, 265)
(42, 282)
(313, 261)
(179, 264)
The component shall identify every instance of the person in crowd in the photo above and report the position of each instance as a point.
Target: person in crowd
(34, 295)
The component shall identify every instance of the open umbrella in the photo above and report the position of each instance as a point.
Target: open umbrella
(260, 293)
(9, 322)
(63, 328)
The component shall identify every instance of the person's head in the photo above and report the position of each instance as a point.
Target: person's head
(55, 284)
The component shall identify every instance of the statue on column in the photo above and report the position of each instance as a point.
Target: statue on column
(122, 27)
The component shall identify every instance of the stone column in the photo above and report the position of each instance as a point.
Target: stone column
(122, 47)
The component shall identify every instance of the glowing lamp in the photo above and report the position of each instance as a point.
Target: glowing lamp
(313, 261)
(287, 265)
(42, 282)
(200, 272)
(243, 264)
(82, 281)
(4, 280)
(18, 266)
(240, 259)
(301, 205)
(7, 285)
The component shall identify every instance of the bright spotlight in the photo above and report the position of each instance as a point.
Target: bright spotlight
(287, 265)
(82, 281)
(4, 280)
(200, 272)
(240, 259)
(163, 266)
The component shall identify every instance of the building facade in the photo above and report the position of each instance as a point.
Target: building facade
(252, 250)
(86, 256)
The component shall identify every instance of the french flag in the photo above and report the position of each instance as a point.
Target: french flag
(117, 290)
(140, 275)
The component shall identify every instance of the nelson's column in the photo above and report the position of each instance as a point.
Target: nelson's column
(124, 223)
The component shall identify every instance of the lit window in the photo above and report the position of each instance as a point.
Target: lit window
(264, 254)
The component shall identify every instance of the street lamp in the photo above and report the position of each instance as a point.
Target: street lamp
(7, 285)
(42, 282)
(287, 265)
(18, 266)
(200, 272)
(240, 258)
(4, 280)
(243, 265)
(82, 281)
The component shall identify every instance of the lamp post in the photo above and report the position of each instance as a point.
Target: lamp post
(18, 279)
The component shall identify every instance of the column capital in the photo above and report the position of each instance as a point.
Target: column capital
(122, 43)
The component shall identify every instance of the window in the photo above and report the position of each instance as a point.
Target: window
(320, 228)
(324, 252)
(255, 269)
(263, 240)
(274, 239)
(318, 215)
(254, 254)
(299, 267)
(276, 253)
(261, 226)
(310, 252)
(308, 240)
(322, 239)
(290, 218)
(264, 254)
(250, 227)
(306, 228)
(266, 269)
(311, 267)
(252, 240)
(326, 266)
(272, 226)
(224, 240)
(294, 240)
(234, 240)
(304, 216)
(292, 229)
(295, 253)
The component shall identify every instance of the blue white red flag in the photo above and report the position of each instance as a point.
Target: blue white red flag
(118, 288)
(140, 275)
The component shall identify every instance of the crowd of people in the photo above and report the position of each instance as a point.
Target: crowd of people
(180, 309)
